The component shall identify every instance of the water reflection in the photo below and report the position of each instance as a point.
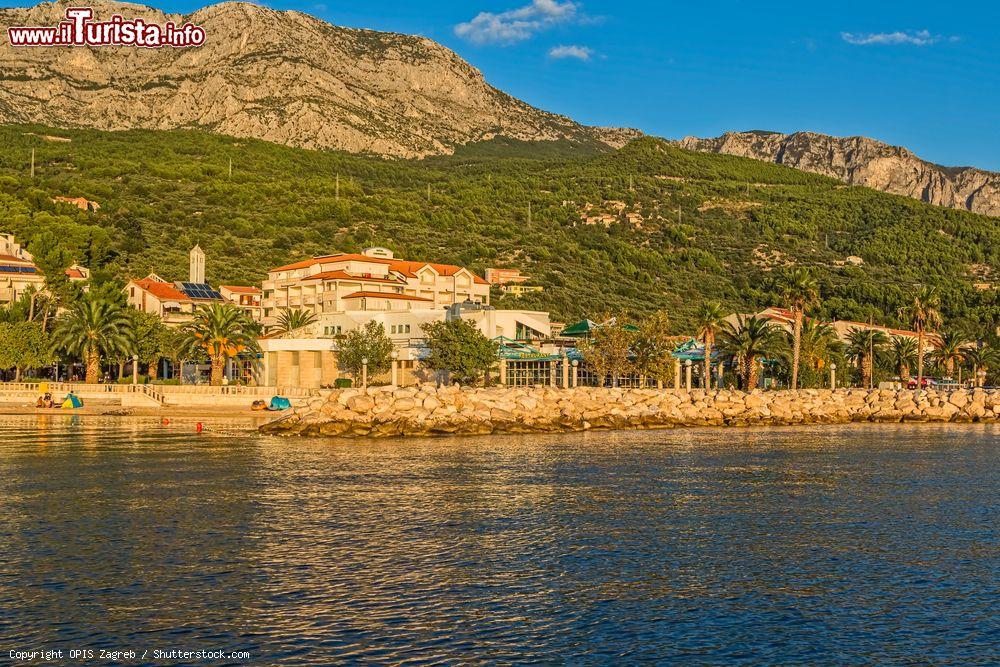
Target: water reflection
(865, 544)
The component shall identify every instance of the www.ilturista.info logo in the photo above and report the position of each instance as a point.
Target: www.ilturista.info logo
(79, 30)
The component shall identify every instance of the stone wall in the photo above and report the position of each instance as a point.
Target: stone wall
(426, 410)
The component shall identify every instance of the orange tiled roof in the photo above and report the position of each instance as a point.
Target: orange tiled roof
(10, 259)
(387, 295)
(344, 275)
(74, 274)
(240, 289)
(162, 291)
(406, 267)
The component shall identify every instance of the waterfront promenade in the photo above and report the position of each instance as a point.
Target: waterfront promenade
(17, 395)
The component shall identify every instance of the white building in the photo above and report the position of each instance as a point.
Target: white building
(18, 273)
(372, 280)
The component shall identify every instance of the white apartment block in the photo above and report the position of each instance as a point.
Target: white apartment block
(371, 281)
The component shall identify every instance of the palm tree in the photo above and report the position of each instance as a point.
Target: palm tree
(863, 345)
(292, 320)
(746, 343)
(903, 354)
(981, 359)
(708, 323)
(175, 346)
(222, 331)
(818, 343)
(951, 350)
(92, 328)
(800, 292)
(924, 315)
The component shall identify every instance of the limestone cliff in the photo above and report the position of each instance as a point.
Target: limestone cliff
(285, 77)
(863, 161)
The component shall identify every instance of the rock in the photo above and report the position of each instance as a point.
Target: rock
(360, 404)
(863, 161)
(454, 410)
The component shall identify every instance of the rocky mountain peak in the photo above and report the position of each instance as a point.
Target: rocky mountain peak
(864, 161)
(281, 76)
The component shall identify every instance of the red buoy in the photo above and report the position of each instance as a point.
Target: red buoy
(199, 428)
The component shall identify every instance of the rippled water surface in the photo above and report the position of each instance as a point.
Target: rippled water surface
(854, 545)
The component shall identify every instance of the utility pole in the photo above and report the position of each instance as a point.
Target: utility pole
(631, 183)
(529, 212)
(678, 215)
(338, 187)
(428, 192)
(32, 162)
(230, 168)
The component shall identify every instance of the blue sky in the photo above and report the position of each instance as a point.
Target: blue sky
(925, 75)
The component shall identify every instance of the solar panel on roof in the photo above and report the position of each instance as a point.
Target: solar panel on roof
(18, 269)
(201, 291)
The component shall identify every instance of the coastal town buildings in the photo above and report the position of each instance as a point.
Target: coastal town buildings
(505, 277)
(371, 280)
(174, 302)
(783, 318)
(245, 297)
(347, 291)
(81, 203)
(19, 274)
(521, 290)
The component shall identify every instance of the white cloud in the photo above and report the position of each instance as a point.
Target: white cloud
(913, 38)
(572, 51)
(517, 25)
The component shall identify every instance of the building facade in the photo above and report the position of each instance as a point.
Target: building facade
(174, 302)
(372, 280)
(19, 275)
(246, 298)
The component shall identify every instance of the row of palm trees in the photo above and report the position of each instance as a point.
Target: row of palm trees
(94, 329)
(750, 340)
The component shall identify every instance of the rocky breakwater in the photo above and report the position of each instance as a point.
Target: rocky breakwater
(427, 411)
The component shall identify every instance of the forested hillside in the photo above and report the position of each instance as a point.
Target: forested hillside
(644, 228)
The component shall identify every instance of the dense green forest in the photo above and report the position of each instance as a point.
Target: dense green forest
(673, 228)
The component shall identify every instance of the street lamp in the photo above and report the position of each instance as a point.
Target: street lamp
(687, 374)
(364, 373)
(395, 376)
(576, 373)
(833, 376)
(135, 369)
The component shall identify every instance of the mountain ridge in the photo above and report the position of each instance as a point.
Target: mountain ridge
(863, 161)
(281, 76)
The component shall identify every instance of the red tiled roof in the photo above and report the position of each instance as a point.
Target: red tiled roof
(240, 289)
(162, 291)
(344, 275)
(406, 267)
(387, 295)
(74, 273)
(10, 259)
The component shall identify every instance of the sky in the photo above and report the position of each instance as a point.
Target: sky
(921, 74)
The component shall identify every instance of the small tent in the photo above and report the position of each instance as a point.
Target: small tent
(279, 403)
(71, 402)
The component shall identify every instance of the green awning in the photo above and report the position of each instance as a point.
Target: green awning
(579, 329)
(587, 327)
